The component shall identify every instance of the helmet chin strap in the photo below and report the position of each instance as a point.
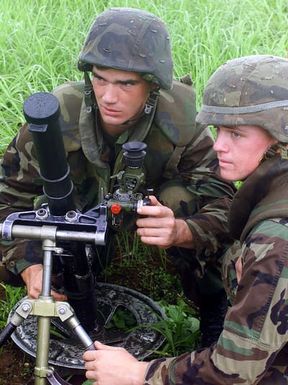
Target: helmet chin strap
(89, 96)
(151, 102)
(148, 108)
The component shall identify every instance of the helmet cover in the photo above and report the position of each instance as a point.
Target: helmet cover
(129, 39)
(251, 90)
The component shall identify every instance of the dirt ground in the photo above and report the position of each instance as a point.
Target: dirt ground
(15, 367)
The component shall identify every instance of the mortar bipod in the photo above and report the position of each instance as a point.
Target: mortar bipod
(44, 308)
(65, 352)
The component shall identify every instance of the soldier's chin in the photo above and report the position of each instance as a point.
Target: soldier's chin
(112, 120)
(228, 175)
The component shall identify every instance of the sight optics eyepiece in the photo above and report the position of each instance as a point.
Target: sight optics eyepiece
(134, 154)
(42, 112)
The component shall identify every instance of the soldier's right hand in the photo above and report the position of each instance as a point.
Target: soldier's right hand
(158, 226)
(32, 276)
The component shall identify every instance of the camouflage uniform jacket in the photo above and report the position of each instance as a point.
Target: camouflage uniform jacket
(177, 149)
(252, 348)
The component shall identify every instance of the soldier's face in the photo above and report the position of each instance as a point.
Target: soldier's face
(120, 96)
(240, 150)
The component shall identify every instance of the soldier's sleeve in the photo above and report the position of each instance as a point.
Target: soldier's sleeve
(252, 347)
(18, 189)
(198, 167)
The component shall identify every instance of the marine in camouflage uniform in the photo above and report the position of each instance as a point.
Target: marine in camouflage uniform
(180, 163)
(252, 348)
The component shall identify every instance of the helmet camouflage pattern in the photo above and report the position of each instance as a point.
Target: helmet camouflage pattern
(251, 90)
(129, 39)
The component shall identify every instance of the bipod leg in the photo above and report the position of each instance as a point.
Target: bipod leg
(21, 313)
(66, 314)
(45, 308)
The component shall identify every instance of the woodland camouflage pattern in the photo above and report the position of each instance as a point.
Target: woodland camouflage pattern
(178, 152)
(252, 349)
(121, 33)
(252, 92)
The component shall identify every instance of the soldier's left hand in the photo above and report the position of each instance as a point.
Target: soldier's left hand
(113, 365)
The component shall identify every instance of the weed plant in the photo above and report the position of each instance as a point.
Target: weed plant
(11, 296)
(180, 329)
(143, 268)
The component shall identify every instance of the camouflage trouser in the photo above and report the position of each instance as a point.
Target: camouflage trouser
(101, 256)
(7, 277)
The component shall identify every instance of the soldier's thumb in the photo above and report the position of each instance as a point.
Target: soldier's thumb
(99, 346)
(154, 201)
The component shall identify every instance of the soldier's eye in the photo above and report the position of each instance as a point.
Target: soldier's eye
(98, 79)
(235, 134)
(128, 84)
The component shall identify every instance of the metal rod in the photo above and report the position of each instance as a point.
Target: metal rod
(43, 339)
(47, 268)
(37, 232)
(43, 333)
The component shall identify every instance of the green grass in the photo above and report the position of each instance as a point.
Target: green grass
(40, 41)
(11, 296)
(143, 268)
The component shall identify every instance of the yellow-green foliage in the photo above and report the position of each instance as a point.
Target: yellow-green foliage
(40, 41)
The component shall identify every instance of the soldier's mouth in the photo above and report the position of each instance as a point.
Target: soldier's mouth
(110, 111)
(224, 162)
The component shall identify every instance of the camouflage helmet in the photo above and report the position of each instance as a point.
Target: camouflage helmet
(251, 90)
(129, 39)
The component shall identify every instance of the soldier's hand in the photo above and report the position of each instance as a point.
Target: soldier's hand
(113, 365)
(159, 227)
(32, 276)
